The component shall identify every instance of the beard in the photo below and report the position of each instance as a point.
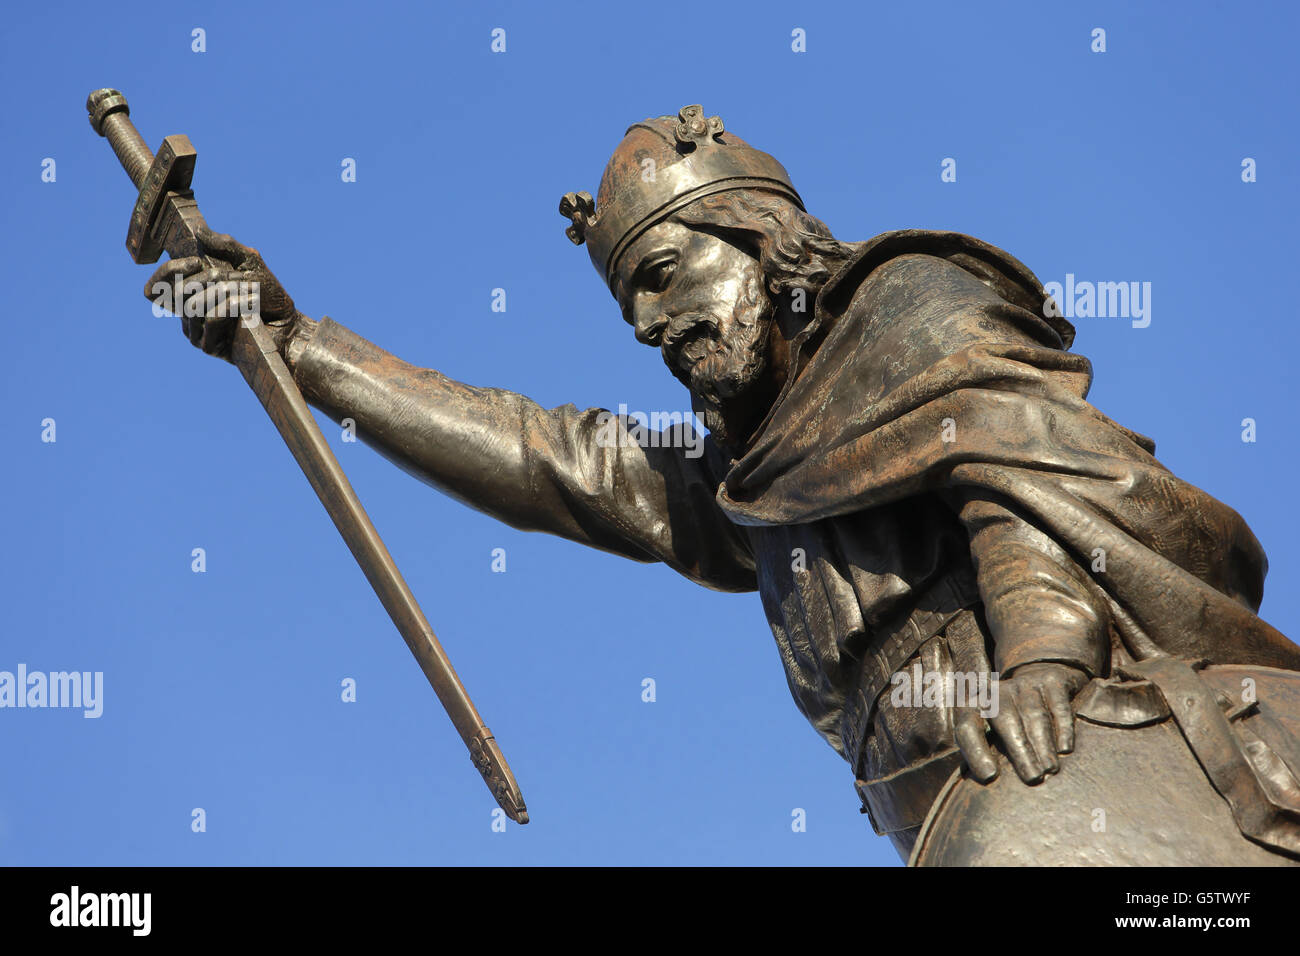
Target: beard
(721, 358)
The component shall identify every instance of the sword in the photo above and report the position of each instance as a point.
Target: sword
(166, 218)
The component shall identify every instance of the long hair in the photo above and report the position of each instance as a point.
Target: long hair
(794, 249)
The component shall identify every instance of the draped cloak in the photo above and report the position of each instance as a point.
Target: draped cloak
(926, 329)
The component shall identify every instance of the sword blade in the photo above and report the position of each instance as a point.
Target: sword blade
(255, 354)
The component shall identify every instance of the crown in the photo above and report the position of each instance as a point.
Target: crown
(663, 164)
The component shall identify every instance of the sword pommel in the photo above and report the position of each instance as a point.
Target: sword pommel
(102, 102)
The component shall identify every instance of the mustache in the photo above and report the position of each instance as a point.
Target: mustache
(683, 327)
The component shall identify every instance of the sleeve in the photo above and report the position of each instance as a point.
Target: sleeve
(1039, 603)
(576, 474)
(1040, 606)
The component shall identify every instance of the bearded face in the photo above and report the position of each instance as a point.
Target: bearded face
(702, 302)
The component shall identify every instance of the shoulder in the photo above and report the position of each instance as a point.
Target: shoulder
(926, 263)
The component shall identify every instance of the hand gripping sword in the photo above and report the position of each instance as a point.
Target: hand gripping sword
(166, 218)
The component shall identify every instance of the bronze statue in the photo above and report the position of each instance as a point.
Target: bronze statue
(901, 460)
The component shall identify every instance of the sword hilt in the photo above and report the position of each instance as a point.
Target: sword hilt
(165, 217)
(110, 117)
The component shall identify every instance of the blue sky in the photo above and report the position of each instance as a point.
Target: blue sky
(222, 689)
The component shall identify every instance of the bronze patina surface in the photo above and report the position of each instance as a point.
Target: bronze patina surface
(903, 463)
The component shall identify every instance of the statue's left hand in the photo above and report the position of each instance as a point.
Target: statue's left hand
(1034, 722)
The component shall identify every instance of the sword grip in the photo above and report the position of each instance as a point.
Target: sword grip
(110, 117)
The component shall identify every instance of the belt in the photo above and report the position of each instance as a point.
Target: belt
(878, 669)
(900, 800)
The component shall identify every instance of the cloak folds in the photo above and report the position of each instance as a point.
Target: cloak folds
(928, 367)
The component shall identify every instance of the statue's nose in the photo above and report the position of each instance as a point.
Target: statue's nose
(650, 328)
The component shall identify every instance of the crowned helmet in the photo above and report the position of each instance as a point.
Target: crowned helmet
(662, 165)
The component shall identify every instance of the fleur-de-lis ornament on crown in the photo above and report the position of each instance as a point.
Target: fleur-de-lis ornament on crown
(580, 209)
(693, 129)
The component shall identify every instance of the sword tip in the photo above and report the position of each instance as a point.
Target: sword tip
(491, 762)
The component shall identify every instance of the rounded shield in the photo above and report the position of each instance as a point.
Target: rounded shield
(1126, 796)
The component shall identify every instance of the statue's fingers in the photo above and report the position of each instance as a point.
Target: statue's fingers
(199, 290)
(224, 304)
(1057, 699)
(194, 328)
(163, 297)
(220, 245)
(164, 277)
(217, 333)
(1037, 721)
(969, 729)
(194, 307)
(222, 296)
(1012, 734)
(225, 299)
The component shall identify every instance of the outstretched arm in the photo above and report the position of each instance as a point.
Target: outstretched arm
(535, 469)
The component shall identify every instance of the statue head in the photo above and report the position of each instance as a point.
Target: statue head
(705, 243)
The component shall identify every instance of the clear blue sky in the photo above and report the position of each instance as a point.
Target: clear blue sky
(222, 689)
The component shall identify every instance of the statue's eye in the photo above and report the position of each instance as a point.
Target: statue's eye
(658, 275)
